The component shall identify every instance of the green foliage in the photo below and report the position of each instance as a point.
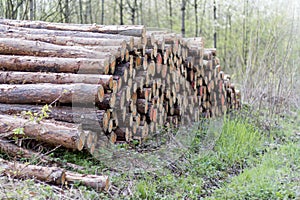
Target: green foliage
(238, 141)
(39, 116)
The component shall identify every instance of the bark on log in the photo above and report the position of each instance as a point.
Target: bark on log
(134, 42)
(16, 46)
(90, 118)
(48, 93)
(94, 181)
(11, 77)
(68, 135)
(46, 174)
(65, 40)
(129, 30)
(20, 152)
(54, 64)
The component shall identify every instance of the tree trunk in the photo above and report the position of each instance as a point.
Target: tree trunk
(196, 18)
(54, 64)
(32, 9)
(102, 12)
(121, 12)
(90, 118)
(215, 22)
(20, 152)
(80, 11)
(56, 33)
(68, 135)
(46, 174)
(170, 14)
(53, 175)
(183, 4)
(48, 93)
(130, 30)
(94, 181)
(10, 77)
(15, 46)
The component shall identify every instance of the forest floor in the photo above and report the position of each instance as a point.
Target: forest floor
(241, 158)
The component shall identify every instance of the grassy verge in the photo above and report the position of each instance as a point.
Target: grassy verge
(236, 160)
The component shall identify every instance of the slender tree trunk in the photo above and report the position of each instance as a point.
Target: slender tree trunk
(32, 9)
(141, 13)
(61, 11)
(202, 18)
(225, 39)
(67, 11)
(80, 11)
(90, 12)
(156, 14)
(170, 14)
(115, 12)
(215, 24)
(183, 4)
(121, 12)
(102, 12)
(196, 18)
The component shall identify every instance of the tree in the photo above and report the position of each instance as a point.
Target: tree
(183, 5)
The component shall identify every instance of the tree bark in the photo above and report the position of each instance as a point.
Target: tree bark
(183, 4)
(46, 174)
(17, 46)
(54, 64)
(5, 29)
(11, 77)
(121, 12)
(48, 93)
(20, 152)
(90, 118)
(129, 30)
(54, 175)
(102, 12)
(94, 181)
(70, 136)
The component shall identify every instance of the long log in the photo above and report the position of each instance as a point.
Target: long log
(134, 42)
(94, 181)
(20, 152)
(48, 93)
(54, 64)
(65, 134)
(46, 174)
(54, 175)
(17, 46)
(90, 118)
(65, 40)
(130, 30)
(11, 77)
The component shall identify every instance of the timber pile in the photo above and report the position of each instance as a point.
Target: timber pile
(105, 84)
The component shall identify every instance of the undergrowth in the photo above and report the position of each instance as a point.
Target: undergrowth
(235, 159)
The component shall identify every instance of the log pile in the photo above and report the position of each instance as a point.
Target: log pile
(106, 84)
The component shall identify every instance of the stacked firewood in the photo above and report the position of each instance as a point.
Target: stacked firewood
(105, 84)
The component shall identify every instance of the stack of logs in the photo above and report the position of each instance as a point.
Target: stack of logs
(105, 84)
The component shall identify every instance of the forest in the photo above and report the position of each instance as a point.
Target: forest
(252, 37)
(250, 153)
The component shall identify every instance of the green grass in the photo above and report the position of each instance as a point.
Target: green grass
(277, 176)
(229, 160)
